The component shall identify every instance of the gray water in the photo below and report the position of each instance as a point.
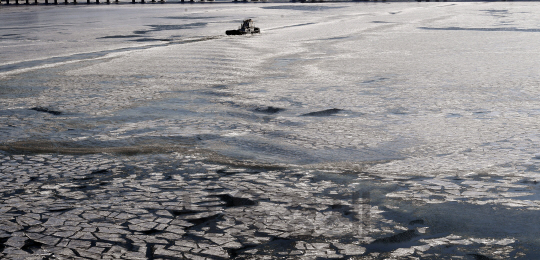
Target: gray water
(440, 99)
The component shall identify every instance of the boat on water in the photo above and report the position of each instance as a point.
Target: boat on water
(245, 28)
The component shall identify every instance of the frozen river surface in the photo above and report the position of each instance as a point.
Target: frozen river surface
(426, 112)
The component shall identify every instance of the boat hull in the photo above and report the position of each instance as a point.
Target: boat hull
(241, 32)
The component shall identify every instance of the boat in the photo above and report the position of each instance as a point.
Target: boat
(245, 28)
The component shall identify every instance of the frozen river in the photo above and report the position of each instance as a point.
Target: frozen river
(428, 111)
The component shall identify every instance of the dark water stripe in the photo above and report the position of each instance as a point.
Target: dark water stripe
(74, 57)
(503, 29)
(92, 55)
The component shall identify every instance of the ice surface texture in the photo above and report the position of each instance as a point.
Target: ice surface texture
(439, 101)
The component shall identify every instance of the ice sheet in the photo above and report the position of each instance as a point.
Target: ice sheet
(440, 99)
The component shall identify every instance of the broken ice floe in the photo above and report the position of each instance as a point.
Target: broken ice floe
(182, 206)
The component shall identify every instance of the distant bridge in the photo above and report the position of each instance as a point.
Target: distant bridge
(56, 2)
(46, 2)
